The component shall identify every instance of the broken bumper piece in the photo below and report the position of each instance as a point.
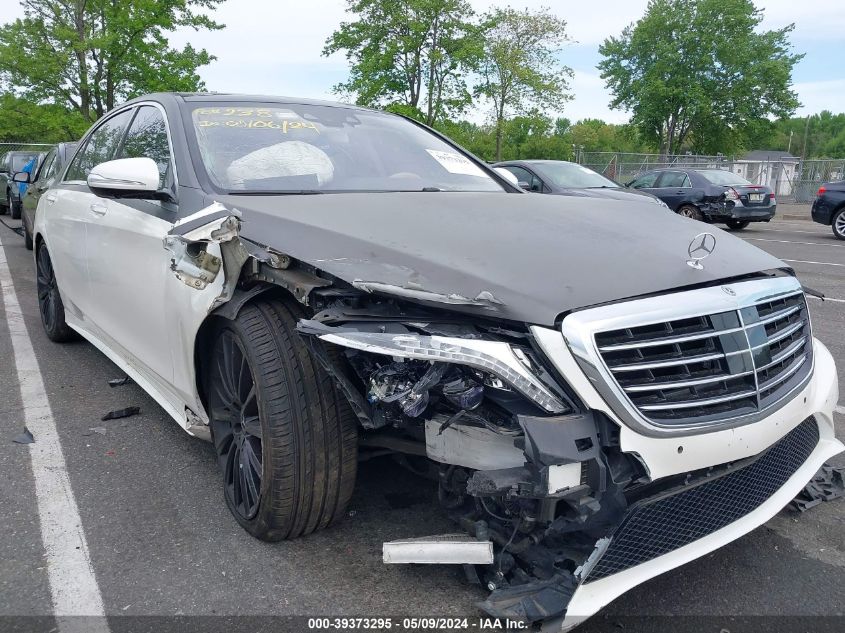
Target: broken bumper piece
(654, 535)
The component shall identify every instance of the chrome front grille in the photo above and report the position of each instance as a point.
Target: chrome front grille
(702, 357)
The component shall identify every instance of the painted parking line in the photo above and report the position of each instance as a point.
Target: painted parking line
(771, 230)
(803, 261)
(73, 586)
(762, 239)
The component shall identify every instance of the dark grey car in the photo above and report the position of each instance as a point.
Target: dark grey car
(305, 284)
(49, 169)
(562, 178)
(710, 195)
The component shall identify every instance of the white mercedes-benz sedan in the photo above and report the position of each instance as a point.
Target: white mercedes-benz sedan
(602, 390)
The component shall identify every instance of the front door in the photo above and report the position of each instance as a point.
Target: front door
(127, 264)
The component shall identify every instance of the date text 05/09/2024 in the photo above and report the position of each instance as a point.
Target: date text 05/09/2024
(414, 623)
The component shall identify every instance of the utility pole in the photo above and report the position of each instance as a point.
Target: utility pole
(789, 147)
(806, 130)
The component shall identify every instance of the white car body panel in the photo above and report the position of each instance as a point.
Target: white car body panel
(159, 316)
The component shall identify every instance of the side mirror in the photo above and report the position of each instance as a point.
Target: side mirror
(507, 175)
(21, 176)
(524, 185)
(125, 176)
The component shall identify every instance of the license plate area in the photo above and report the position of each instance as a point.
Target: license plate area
(755, 197)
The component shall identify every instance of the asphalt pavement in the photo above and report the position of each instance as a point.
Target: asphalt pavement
(161, 542)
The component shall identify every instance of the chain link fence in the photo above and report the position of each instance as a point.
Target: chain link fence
(792, 179)
(32, 149)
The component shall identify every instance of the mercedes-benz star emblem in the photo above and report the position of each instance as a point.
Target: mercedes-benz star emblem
(701, 247)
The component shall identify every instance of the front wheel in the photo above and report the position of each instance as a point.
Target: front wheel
(737, 225)
(690, 211)
(285, 439)
(27, 236)
(49, 300)
(838, 224)
(15, 206)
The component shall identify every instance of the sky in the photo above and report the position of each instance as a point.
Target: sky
(274, 47)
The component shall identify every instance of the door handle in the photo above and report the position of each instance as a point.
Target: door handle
(98, 208)
(51, 198)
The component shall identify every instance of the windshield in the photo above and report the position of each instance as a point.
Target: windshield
(573, 176)
(722, 177)
(291, 148)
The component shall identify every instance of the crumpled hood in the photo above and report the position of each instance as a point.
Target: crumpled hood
(535, 256)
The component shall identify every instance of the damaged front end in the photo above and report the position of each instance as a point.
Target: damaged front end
(519, 463)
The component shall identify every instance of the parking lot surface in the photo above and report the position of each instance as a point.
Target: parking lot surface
(161, 541)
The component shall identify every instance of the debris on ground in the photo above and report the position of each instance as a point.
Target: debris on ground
(95, 429)
(828, 484)
(25, 437)
(119, 382)
(121, 413)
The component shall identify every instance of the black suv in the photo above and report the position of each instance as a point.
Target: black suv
(829, 207)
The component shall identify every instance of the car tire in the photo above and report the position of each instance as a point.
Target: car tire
(27, 236)
(49, 299)
(737, 225)
(838, 224)
(284, 436)
(690, 211)
(15, 209)
(4, 206)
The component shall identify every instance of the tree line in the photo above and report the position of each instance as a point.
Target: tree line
(693, 75)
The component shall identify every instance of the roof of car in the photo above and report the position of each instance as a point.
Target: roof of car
(535, 161)
(228, 97)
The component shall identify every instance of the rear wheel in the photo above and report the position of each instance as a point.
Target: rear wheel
(285, 439)
(49, 300)
(737, 225)
(15, 206)
(838, 224)
(690, 211)
(4, 206)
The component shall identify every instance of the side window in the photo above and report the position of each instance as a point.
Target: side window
(147, 137)
(674, 179)
(47, 166)
(523, 175)
(646, 181)
(100, 147)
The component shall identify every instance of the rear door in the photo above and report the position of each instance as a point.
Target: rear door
(68, 209)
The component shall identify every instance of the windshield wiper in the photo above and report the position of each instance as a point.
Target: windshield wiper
(603, 187)
(272, 192)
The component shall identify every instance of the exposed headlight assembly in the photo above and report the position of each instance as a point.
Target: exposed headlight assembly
(498, 358)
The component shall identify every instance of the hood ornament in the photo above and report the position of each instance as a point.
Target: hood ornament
(701, 247)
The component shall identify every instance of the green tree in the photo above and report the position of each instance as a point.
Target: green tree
(23, 121)
(410, 56)
(91, 54)
(520, 70)
(699, 69)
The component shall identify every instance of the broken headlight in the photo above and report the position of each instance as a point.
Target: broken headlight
(501, 359)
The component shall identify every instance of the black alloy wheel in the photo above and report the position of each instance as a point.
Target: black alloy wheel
(50, 300)
(236, 427)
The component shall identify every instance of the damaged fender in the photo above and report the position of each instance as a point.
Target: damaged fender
(191, 261)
